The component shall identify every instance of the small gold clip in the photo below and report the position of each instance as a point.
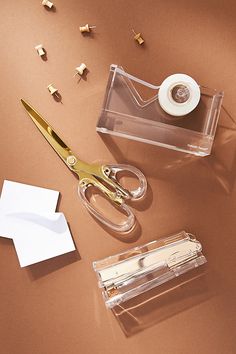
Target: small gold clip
(86, 28)
(138, 38)
(112, 291)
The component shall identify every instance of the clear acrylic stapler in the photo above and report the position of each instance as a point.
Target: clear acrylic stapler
(131, 273)
(179, 114)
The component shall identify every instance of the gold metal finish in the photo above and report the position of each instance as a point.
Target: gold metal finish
(95, 175)
(112, 291)
(138, 37)
(71, 160)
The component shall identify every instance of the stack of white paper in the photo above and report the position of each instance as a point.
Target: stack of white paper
(27, 215)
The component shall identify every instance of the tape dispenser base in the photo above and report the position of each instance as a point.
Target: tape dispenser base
(178, 114)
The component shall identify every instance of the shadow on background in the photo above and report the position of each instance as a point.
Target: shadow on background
(57, 97)
(153, 161)
(222, 160)
(127, 237)
(41, 269)
(83, 77)
(44, 57)
(52, 9)
(165, 301)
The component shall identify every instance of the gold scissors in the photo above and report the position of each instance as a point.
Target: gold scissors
(103, 177)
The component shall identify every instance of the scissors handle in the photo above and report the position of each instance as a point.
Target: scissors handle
(136, 193)
(123, 227)
(122, 194)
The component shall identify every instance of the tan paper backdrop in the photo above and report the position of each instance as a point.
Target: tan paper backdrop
(56, 306)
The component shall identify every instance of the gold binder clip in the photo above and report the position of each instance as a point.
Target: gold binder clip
(138, 37)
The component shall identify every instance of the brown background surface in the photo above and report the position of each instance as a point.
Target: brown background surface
(55, 306)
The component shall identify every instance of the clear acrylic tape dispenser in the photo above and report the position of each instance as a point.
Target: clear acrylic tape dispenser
(179, 114)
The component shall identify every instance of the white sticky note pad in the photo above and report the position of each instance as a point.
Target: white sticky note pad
(27, 215)
(21, 197)
(38, 237)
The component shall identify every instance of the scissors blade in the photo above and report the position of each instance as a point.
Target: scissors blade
(57, 144)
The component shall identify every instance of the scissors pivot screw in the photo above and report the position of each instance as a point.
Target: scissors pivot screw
(71, 160)
(47, 3)
(40, 50)
(138, 37)
(107, 171)
(86, 28)
(80, 69)
(118, 193)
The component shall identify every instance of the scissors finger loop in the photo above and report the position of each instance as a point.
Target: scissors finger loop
(123, 227)
(132, 194)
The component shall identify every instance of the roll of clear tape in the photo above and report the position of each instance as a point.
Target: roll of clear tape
(179, 94)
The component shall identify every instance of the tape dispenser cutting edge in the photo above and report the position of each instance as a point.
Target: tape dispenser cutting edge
(179, 94)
